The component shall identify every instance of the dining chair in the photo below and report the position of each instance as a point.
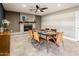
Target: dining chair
(47, 28)
(31, 36)
(60, 42)
(39, 41)
(54, 30)
(42, 29)
(59, 38)
(36, 36)
(31, 33)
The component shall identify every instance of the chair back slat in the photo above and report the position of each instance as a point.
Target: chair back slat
(31, 33)
(59, 38)
(36, 36)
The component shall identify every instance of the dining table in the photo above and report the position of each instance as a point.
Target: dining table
(47, 36)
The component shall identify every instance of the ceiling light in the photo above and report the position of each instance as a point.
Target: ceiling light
(24, 6)
(38, 10)
(58, 5)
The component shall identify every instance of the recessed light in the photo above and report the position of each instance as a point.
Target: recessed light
(58, 5)
(24, 6)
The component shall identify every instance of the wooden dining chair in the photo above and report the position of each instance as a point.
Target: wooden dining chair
(36, 36)
(38, 39)
(47, 28)
(54, 30)
(31, 36)
(59, 38)
(60, 42)
(31, 33)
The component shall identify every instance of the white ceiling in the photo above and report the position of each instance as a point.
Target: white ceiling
(25, 7)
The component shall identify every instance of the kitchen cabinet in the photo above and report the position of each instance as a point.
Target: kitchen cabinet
(4, 44)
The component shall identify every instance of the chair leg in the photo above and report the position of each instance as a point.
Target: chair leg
(37, 45)
(58, 51)
(62, 46)
(48, 46)
(32, 40)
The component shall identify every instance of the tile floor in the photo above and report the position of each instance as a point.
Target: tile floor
(24, 47)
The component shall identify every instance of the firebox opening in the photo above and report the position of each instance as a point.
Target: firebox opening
(27, 27)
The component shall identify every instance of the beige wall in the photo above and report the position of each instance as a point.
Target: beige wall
(63, 20)
(13, 17)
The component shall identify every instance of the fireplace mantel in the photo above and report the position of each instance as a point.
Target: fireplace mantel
(27, 21)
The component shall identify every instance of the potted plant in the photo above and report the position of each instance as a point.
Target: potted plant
(5, 24)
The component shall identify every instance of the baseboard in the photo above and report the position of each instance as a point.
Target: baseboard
(69, 38)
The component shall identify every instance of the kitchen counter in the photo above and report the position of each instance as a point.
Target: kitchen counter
(4, 33)
(13, 33)
(18, 33)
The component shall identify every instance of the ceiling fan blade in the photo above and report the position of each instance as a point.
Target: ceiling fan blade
(44, 8)
(41, 10)
(37, 6)
(36, 11)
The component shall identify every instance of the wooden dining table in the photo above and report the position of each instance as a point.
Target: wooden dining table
(47, 36)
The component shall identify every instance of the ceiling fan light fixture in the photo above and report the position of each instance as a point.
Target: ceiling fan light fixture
(38, 10)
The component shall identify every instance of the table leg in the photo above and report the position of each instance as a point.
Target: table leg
(47, 43)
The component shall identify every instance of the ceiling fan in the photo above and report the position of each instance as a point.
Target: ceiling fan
(39, 9)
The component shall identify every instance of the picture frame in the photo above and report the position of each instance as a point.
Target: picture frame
(24, 17)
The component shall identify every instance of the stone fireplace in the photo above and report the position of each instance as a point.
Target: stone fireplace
(28, 27)
(29, 21)
(26, 22)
